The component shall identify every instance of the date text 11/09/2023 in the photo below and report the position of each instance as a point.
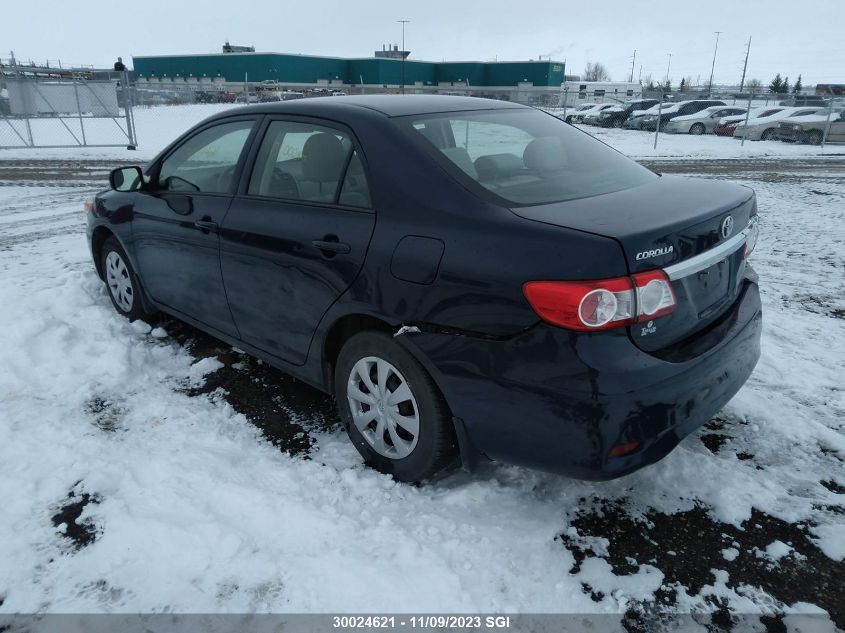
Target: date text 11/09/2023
(421, 622)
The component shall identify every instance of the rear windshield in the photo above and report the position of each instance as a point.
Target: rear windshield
(525, 156)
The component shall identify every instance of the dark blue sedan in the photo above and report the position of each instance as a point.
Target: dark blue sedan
(469, 278)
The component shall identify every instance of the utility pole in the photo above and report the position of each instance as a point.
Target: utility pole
(668, 67)
(402, 87)
(713, 67)
(745, 65)
(633, 61)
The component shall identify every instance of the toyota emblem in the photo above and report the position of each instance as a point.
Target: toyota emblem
(727, 227)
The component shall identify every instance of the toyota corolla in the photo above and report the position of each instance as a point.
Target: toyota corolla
(469, 278)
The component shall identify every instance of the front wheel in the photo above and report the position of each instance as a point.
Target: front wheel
(767, 135)
(121, 281)
(617, 123)
(392, 410)
(815, 137)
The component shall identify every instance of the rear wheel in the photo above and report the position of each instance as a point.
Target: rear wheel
(768, 134)
(392, 410)
(815, 137)
(617, 122)
(121, 281)
(697, 128)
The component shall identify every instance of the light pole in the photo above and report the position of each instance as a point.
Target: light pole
(402, 85)
(713, 67)
(668, 66)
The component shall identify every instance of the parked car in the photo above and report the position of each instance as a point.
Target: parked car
(616, 116)
(626, 315)
(812, 128)
(702, 122)
(636, 118)
(249, 97)
(809, 100)
(578, 115)
(663, 115)
(727, 125)
(765, 128)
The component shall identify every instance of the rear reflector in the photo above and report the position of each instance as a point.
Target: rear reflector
(623, 449)
(586, 306)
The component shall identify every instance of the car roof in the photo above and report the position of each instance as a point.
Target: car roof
(389, 105)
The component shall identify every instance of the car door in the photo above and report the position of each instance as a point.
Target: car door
(837, 129)
(297, 233)
(176, 222)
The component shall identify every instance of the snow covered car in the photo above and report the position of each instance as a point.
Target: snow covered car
(635, 119)
(668, 112)
(578, 115)
(616, 116)
(812, 128)
(766, 128)
(703, 122)
(727, 125)
(469, 277)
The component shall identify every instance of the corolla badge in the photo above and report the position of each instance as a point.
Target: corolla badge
(727, 227)
(663, 250)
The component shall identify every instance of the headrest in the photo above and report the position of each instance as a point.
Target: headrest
(494, 166)
(544, 153)
(322, 158)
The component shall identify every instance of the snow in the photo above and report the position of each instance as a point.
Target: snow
(198, 512)
(159, 125)
(640, 144)
(777, 550)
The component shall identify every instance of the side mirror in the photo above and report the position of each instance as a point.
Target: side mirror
(126, 179)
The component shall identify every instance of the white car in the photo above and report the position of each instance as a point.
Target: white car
(766, 128)
(703, 121)
(727, 125)
(578, 115)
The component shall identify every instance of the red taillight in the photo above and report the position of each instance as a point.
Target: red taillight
(623, 449)
(588, 306)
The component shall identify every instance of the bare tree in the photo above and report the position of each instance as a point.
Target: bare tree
(596, 71)
(754, 86)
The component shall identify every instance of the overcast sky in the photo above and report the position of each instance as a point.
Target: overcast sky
(788, 36)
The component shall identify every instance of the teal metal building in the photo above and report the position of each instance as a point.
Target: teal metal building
(304, 70)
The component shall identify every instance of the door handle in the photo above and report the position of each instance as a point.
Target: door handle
(206, 226)
(331, 246)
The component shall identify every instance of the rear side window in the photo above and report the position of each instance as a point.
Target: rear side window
(524, 156)
(207, 161)
(312, 163)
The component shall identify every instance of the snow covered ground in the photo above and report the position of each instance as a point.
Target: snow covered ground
(157, 126)
(136, 476)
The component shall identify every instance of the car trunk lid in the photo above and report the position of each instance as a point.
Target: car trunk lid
(676, 224)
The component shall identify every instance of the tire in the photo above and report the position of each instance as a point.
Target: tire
(121, 281)
(569, 120)
(697, 129)
(397, 451)
(815, 137)
(617, 122)
(768, 134)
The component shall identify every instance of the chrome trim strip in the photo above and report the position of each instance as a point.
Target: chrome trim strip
(708, 258)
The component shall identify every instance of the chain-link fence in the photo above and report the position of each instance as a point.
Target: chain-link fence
(64, 111)
(815, 118)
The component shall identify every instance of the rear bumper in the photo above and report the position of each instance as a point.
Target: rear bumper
(559, 401)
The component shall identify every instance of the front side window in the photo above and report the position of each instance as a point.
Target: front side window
(525, 156)
(302, 161)
(206, 162)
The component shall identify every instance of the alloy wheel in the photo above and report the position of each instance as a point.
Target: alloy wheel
(383, 407)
